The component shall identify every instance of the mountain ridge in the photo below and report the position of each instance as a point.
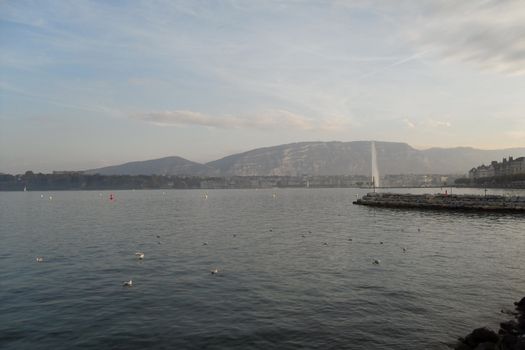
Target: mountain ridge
(172, 165)
(321, 158)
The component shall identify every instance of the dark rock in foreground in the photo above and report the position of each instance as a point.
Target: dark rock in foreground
(511, 335)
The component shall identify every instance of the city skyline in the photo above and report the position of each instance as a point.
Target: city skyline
(90, 84)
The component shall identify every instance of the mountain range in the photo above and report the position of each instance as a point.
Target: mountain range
(322, 158)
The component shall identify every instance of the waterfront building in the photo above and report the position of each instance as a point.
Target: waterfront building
(506, 167)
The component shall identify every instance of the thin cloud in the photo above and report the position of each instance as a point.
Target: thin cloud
(408, 123)
(399, 62)
(427, 123)
(489, 34)
(268, 120)
(516, 134)
(7, 88)
(437, 123)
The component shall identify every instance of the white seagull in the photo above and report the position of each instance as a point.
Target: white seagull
(39, 259)
(128, 283)
(140, 255)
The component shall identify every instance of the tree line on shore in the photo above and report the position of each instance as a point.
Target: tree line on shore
(79, 181)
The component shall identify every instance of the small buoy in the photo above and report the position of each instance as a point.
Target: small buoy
(234, 235)
(274, 195)
(418, 229)
(50, 197)
(350, 239)
(128, 283)
(381, 242)
(377, 261)
(39, 259)
(404, 249)
(324, 243)
(204, 243)
(41, 196)
(111, 197)
(271, 230)
(158, 236)
(214, 271)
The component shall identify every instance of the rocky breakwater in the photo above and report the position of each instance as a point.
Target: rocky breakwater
(444, 201)
(511, 335)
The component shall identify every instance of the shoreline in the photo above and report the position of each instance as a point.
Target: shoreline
(510, 336)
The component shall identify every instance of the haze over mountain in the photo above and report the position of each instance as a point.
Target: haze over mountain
(322, 158)
(163, 166)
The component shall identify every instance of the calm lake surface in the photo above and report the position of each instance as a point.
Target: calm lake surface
(275, 290)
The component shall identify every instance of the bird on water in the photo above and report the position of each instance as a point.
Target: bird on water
(128, 283)
(140, 255)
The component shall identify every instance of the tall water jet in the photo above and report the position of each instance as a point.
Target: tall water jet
(375, 169)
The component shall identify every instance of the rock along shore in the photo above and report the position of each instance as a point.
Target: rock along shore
(511, 335)
(444, 201)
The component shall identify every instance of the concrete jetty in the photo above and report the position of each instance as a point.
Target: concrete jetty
(444, 201)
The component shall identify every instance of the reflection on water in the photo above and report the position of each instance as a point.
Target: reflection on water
(278, 286)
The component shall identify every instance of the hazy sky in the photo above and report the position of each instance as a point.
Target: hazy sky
(91, 83)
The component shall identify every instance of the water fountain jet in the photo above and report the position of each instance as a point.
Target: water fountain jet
(375, 169)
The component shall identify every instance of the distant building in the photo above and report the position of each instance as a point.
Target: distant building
(506, 167)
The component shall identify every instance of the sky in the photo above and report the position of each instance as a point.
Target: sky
(85, 84)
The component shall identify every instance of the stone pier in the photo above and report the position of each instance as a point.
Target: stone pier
(445, 202)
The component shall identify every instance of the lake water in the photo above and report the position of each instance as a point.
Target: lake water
(275, 288)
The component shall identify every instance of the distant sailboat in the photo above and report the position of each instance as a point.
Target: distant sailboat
(25, 189)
